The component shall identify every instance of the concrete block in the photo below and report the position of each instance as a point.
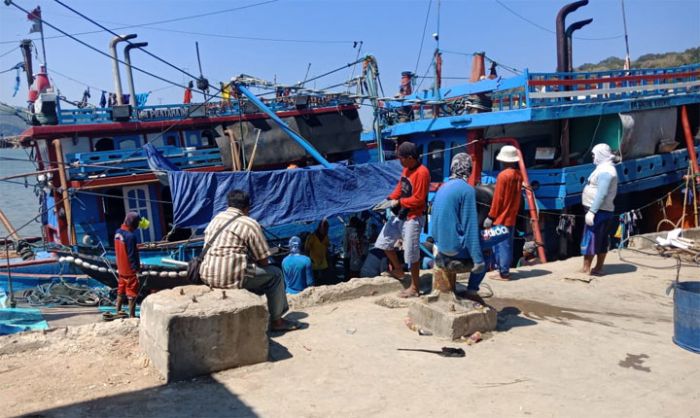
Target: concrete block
(193, 330)
(352, 289)
(449, 317)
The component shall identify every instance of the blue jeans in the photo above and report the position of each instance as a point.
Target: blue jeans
(503, 252)
(475, 280)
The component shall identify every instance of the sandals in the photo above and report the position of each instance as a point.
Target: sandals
(109, 316)
(498, 276)
(286, 326)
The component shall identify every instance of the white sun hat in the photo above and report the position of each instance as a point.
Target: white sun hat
(508, 154)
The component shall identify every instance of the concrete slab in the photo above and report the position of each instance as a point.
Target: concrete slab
(193, 330)
(449, 317)
(352, 289)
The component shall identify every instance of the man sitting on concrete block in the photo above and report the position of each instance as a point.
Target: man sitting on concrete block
(238, 258)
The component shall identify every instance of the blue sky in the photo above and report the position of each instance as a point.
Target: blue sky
(518, 33)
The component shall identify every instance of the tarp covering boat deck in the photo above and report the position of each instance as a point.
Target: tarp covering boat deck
(283, 196)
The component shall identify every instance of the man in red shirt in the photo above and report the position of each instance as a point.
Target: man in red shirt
(128, 262)
(408, 201)
(505, 206)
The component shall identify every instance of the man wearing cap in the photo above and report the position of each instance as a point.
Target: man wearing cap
(598, 200)
(505, 207)
(296, 267)
(408, 200)
(128, 261)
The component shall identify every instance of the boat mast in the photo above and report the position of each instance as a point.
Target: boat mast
(628, 62)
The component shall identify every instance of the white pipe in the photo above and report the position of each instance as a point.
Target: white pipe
(115, 63)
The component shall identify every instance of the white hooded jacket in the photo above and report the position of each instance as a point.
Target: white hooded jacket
(601, 188)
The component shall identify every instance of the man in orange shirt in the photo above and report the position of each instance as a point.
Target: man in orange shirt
(505, 207)
(408, 200)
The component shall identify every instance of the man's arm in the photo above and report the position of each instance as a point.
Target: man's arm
(604, 180)
(133, 254)
(309, 273)
(258, 246)
(397, 191)
(470, 224)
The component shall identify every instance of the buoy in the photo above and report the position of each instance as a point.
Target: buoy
(78, 262)
(172, 274)
(102, 270)
(61, 259)
(163, 274)
(152, 273)
(182, 273)
(69, 259)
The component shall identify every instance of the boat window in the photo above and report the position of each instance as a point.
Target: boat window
(436, 161)
(129, 144)
(104, 144)
(209, 139)
(171, 140)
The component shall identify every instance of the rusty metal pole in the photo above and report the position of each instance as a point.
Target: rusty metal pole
(689, 142)
(64, 190)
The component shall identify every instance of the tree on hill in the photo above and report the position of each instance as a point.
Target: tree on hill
(668, 59)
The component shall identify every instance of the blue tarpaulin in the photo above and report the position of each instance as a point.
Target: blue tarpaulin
(156, 160)
(283, 196)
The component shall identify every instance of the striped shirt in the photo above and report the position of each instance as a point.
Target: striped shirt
(233, 254)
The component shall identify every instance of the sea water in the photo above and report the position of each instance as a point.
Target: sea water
(17, 199)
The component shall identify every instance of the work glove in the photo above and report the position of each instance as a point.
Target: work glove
(488, 223)
(383, 205)
(394, 203)
(478, 268)
(590, 218)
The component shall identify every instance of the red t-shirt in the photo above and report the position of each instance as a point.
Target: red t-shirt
(412, 190)
(506, 197)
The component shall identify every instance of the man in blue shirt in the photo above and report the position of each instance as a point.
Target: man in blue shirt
(298, 274)
(455, 226)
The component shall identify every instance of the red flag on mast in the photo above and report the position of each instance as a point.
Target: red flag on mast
(35, 16)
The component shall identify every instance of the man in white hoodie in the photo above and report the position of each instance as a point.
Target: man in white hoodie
(598, 201)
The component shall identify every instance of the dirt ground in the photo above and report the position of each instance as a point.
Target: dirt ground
(562, 348)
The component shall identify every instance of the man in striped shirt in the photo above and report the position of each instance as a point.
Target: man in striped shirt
(238, 258)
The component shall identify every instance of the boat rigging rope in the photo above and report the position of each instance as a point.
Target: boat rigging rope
(64, 293)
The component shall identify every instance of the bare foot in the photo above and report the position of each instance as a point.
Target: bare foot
(409, 293)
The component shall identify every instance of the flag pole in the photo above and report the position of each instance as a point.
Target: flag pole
(43, 45)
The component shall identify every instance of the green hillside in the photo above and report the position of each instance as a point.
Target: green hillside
(668, 59)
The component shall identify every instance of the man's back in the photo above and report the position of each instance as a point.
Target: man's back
(126, 252)
(234, 251)
(297, 273)
(507, 197)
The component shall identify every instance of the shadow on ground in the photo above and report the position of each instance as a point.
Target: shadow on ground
(528, 274)
(511, 317)
(621, 268)
(198, 397)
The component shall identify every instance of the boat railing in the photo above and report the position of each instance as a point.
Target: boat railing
(184, 111)
(553, 89)
(638, 88)
(133, 161)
